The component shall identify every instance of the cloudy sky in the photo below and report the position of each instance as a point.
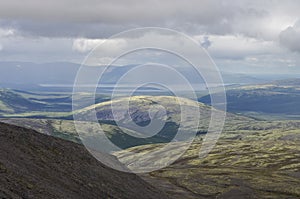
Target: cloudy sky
(255, 36)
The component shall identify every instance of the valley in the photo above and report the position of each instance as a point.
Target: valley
(150, 99)
(253, 157)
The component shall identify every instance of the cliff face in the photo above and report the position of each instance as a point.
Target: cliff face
(33, 165)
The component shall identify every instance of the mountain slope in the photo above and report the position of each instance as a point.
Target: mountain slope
(33, 165)
(20, 102)
(12, 102)
(278, 97)
(165, 111)
(139, 107)
(261, 160)
(139, 113)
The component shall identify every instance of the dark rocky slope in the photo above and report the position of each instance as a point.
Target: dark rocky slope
(33, 165)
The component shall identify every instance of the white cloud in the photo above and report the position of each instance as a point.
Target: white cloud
(238, 46)
(85, 45)
(290, 37)
(7, 32)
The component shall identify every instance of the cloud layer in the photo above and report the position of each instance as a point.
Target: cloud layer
(290, 37)
(102, 18)
(246, 33)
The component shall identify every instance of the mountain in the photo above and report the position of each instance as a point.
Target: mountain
(12, 102)
(33, 165)
(60, 76)
(248, 155)
(19, 103)
(166, 114)
(294, 82)
(280, 97)
(119, 129)
(139, 107)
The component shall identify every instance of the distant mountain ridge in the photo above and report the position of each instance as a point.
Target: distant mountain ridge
(277, 97)
(28, 75)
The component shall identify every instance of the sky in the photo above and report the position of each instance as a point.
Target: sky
(255, 36)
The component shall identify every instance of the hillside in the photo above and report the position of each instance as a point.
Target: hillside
(25, 104)
(248, 156)
(12, 102)
(33, 165)
(129, 135)
(258, 160)
(275, 98)
(19, 102)
(65, 129)
(139, 107)
(166, 111)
